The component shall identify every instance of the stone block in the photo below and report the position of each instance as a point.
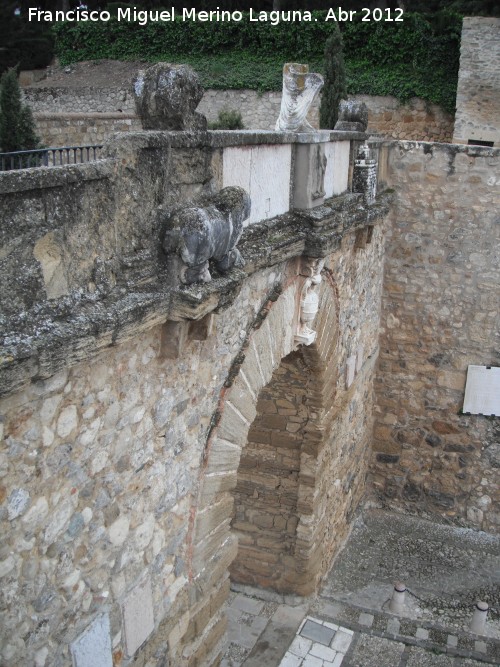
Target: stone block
(209, 519)
(240, 397)
(137, 616)
(265, 354)
(264, 172)
(233, 426)
(209, 545)
(215, 483)
(223, 457)
(93, 647)
(337, 167)
(317, 632)
(246, 604)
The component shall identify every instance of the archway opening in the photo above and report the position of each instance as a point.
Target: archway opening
(271, 491)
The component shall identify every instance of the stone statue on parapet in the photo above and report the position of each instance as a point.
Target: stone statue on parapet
(299, 89)
(166, 97)
(196, 234)
(353, 116)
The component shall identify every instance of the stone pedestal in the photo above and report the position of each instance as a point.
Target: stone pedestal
(364, 178)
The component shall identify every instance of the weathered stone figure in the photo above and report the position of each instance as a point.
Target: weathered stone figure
(353, 116)
(309, 300)
(299, 90)
(196, 234)
(166, 97)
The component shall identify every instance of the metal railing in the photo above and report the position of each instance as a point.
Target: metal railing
(49, 157)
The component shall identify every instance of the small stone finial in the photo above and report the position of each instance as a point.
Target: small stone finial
(196, 234)
(166, 97)
(299, 90)
(353, 116)
(309, 300)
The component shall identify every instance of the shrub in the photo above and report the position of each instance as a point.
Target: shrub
(228, 120)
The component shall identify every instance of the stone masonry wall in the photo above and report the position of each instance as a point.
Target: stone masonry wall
(267, 490)
(440, 314)
(119, 446)
(82, 129)
(478, 93)
(99, 466)
(57, 124)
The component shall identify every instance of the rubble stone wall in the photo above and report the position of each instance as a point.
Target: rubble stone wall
(440, 314)
(72, 115)
(76, 129)
(119, 450)
(478, 93)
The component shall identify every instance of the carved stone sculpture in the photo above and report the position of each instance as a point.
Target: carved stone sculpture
(195, 234)
(166, 97)
(309, 300)
(353, 116)
(299, 90)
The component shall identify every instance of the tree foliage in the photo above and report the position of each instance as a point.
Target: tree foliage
(335, 88)
(17, 126)
(418, 57)
(23, 44)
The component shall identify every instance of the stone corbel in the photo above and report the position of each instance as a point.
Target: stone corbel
(309, 300)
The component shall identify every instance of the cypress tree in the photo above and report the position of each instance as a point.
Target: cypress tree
(335, 88)
(17, 127)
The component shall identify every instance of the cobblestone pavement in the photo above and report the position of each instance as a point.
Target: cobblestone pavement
(355, 628)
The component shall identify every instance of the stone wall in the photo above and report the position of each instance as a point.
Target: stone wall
(440, 314)
(70, 99)
(127, 398)
(415, 119)
(478, 93)
(75, 129)
(79, 109)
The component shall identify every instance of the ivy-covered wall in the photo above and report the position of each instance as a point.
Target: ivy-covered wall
(417, 57)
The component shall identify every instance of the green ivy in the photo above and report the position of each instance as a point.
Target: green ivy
(418, 57)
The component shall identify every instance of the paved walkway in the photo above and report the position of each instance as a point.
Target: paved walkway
(349, 624)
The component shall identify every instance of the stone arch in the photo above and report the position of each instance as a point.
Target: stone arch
(213, 544)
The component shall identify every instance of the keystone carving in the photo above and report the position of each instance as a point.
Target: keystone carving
(309, 299)
(166, 97)
(353, 116)
(299, 89)
(196, 234)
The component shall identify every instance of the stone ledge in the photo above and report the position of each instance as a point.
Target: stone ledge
(38, 344)
(224, 138)
(54, 177)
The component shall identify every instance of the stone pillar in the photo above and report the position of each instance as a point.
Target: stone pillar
(364, 178)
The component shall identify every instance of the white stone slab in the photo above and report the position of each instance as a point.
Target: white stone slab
(337, 167)
(290, 660)
(264, 172)
(341, 641)
(300, 646)
(93, 646)
(482, 391)
(138, 616)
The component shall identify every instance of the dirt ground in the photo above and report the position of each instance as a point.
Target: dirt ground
(91, 73)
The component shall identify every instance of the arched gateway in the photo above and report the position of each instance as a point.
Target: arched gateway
(270, 511)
